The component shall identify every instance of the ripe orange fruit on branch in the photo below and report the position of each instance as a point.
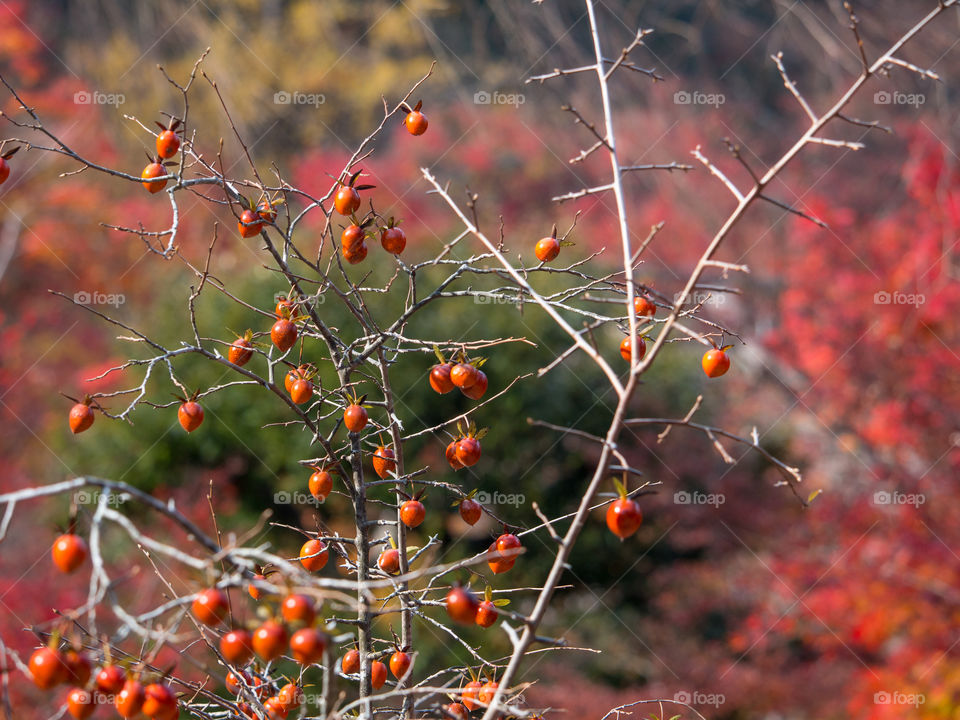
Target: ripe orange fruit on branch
(287, 308)
(236, 647)
(547, 249)
(399, 664)
(643, 307)
(486, 693)
(4, 165)
(275, 709)
(451, 453)
(470, 510)
(478, 389)
(168, 142)
(232, 682)
(469, 694)
(314, 555)
(499, 562)
(298, 609)
(150, 173)
(626, 345)
(462, 606)
(486, 614)
(716, 362)
(293, 374)
(412, 513)
(290, 696)
(352, 236)
(241, 350)
(307, 646)
(78, 668)
(267, 209)
(159, 702)
(190, 415)
(378, 674)
(69, 552)
(352, 243)
(355, 417)
(81, 703)
(81, 417)
(463, 375)
(356, 254)
(509, 545)
(301, 391)
(283, 334)
(269, 640)
(393, 239)
(416, 121)
(347, 200)
(468, 451)
(389, 561)
(383, 461)
(110, 679)
(458, 710)
(440, 378)
(351, 662)
(623, 515)
(320, 484)
(129, 701)
(210, 607)
(252, 589)
(47, 668)
(250, 224)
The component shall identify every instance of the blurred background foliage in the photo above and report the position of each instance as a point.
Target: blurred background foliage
(751, 598)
